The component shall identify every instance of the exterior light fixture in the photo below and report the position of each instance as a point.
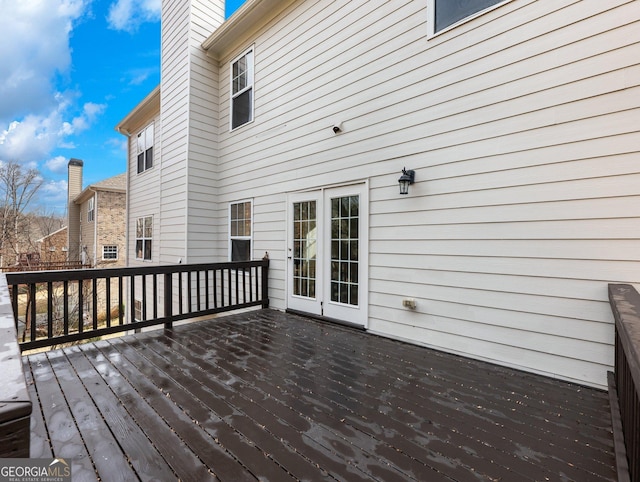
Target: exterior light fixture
(407, 178)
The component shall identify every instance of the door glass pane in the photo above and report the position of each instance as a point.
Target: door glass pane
(344, 250)
(305, 245)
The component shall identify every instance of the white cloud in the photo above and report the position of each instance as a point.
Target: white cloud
(34, 50)
(57, 165)
(53, 195)
(35, 136)
(128, 15)
(34, 117)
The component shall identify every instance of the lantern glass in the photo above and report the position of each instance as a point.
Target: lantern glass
(406, 180)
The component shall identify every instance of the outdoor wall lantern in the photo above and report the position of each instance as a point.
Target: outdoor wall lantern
(407, 178)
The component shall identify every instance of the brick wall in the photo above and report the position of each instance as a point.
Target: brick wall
(53, 248)
(111, 218)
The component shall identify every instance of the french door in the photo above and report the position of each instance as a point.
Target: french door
(327, 253)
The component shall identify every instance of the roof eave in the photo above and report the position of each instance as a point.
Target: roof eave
(250, 15)
(148, 106)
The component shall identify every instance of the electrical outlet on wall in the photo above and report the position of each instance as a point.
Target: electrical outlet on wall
(409, 303)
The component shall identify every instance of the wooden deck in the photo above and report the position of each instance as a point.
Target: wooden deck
(272, 396)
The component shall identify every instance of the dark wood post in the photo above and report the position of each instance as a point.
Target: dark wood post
(168, 299)
(265, 281)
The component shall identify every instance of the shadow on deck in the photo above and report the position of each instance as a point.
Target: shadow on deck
(273, 396)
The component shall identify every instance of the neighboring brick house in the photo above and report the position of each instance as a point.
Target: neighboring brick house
(53, 247)
(100, 210)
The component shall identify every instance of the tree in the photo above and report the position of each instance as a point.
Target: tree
(18, 185)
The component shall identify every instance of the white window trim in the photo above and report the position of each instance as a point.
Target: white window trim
(143, 238)
(91, 210)
(431, 12)
(250, 85)
(245, 238)
(147, 134)
(117, 252)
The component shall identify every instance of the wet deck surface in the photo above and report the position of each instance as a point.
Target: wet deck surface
(271, 396)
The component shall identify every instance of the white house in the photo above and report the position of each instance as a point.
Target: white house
(285, 129)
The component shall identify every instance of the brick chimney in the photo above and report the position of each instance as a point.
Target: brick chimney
(74, 188)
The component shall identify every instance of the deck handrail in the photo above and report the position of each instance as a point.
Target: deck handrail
(50, 304)
(624, 383)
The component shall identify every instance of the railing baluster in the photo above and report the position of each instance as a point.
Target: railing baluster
(180, 294)
(49, 309)
(265, 284)
(206, 289)
(120, 301)
(168, 299)
(229, 286)
(108, 300)
(215, 288)
(80, 307)
(31, 311)
(132, 307)
(94, 300)
(65, 301)
(155, 296)
(222, 288)
(237, 286)
(198, 288)
(189, 293)
(144, 297)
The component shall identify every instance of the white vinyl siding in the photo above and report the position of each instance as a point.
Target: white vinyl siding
(143, 194)
(189, 123)
(521, 127)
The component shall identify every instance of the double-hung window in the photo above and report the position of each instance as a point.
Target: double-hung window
(240, 229)
(145, 149)
(144, 238)
(446, 13)
(91, 210)
(110, 252)
(242, 90)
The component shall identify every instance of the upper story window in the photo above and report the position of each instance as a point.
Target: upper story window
(144, 238)
(91, 210)
(240, 217)
(446, 13)
(145, 149)
(242, 90)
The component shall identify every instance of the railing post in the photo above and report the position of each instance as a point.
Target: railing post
(168, 299)
(265, 281)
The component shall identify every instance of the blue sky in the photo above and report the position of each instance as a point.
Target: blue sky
(70, 70)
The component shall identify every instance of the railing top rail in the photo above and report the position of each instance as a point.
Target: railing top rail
(84, 274)
(625, 304)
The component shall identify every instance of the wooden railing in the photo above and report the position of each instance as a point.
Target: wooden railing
(624, 384)
(56, 307)
(45, 266)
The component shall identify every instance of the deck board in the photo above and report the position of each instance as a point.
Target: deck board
(266, 395)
